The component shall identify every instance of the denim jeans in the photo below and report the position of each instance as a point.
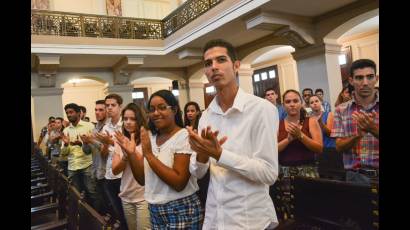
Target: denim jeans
(357, 178)
(84, 181)
(137, 215)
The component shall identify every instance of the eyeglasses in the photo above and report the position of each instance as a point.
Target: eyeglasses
(160, 108)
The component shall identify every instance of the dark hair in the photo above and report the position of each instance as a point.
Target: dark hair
(100, 102)
(269, 89)
(140, 117)
(221, 43)
(302, 110)
(314, 95)
(82, 108)
(115, 96)
(170, 100)
(340, 97)
(362, 63)
(307, 89)
(51, 117)
(318, 90)
(186, 120)
(73, 106)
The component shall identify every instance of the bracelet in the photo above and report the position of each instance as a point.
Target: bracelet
(301, 136)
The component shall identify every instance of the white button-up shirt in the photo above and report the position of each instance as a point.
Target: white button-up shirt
(238, 193)
(111, 128)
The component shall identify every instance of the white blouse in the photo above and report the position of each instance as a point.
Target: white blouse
(156, 190)
(130, 190)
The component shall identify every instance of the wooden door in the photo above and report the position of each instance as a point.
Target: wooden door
(208, 94)
(140, 97)
(345, 66)
(266, 78)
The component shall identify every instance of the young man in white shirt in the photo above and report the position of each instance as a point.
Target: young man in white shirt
(244, 162)
(112, 183)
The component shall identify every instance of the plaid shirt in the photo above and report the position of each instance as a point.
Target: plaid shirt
(366, 151)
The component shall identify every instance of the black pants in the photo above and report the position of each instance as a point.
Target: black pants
(112, 189)
(102, 199)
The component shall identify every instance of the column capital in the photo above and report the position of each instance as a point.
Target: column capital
(315, 50)
(196, 85)
(47, 91)
(118, 89)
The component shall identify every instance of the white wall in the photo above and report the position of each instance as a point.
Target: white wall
(312, 74)
(85, 96)
(42, 108)
(153, 9)
(364, 46)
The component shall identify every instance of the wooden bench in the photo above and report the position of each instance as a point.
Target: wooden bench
(42, 198)
(332, 204)
(53, 225)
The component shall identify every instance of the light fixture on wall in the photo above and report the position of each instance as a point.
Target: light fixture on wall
(74, 81)
(175, 88)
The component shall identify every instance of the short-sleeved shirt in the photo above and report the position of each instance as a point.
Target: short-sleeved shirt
(111, 128)
(156, 190)
(130, 190)
(366, 151)
(76, 157)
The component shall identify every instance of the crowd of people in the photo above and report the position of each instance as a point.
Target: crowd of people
(152, 169)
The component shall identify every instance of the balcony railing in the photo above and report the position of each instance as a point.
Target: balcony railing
(186, 13)
(87, 25)
(101, 26)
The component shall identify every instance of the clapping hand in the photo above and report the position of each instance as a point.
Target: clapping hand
(294, 130)
(145, 142)
(105, 138)
(87, 139)
(207, 144)
(126, 144)
(365, 121)
(65, 139)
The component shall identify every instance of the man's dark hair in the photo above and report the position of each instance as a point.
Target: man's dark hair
(319, 90)
(73, 106)
(362, 63)
(60, 118)
(269, 89)
(221, 43)
(100, 102)
(307, 89)
(51, 118)
(117, 97)
(82, 108)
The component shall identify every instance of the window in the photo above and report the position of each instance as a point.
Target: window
(137, 95)
(272, 74)
(264, 76)
(256, 77)
(210, 89)
(342, 59)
